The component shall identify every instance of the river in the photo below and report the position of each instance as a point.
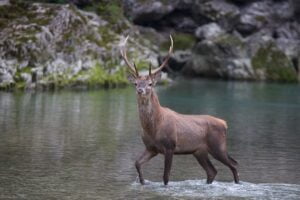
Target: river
(83, 144)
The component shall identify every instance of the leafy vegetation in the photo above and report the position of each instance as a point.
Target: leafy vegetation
(95, 77)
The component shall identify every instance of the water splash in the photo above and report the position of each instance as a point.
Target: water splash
(198, 189)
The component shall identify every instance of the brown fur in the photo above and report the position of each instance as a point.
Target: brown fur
(168, 132)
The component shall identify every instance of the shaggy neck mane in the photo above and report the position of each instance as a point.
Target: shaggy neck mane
(149, 112)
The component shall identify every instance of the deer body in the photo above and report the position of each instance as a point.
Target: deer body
(168, 132)
(188, 133)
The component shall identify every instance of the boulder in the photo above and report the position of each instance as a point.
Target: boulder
(289, 30)
(296, 9)
(253, 17)
(178, 59)
(242, 2)
(222, 12)
(146, 12)
(282, 11)
(209, 31)
(272, 64)
(224, 56)
(181, 23)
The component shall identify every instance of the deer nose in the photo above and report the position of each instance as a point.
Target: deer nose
(140, 90)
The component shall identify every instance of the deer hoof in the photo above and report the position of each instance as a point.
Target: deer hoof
(139, 180)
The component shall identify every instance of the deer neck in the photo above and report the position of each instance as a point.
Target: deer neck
(149, 112)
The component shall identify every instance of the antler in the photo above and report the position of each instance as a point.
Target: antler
(150, 66)
(132, 69)
(166, 59)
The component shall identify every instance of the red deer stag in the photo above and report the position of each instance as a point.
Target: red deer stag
(168, 132)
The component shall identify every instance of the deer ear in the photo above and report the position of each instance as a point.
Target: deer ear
(131, 78)
(156, 77)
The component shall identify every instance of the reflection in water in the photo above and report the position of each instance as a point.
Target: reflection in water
(82, 145)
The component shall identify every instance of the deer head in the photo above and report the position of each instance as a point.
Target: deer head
(144, 84)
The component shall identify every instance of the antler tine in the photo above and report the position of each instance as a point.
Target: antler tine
(150, 66)
(166, 59)
(133, 69)
(136, 70)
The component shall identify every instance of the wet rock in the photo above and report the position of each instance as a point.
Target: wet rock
(182, 23)
(273, 64)
(81, 3)
(146, 12)
(282, 11)
(243, 2)
(258, 39)
(289, 30)
(296, 8)
(26, 77)
(4, 2)
(178, 59)
(254, 17)
(224, 57)
(215, 11)
(209, 31)
(6, 77)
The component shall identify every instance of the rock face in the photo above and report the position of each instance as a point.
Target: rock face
(236, 39)
(42, 45)
(50, 45)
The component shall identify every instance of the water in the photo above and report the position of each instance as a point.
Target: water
(82, 145)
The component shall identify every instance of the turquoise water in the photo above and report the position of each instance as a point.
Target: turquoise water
(82, 144)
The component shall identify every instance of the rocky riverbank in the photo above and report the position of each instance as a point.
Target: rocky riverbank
(65, 45)
(234, 39)
(52, 46)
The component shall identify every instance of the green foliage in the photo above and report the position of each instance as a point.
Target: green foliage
(110, 10)
(181, 41)
(229, 40)
(107, 36)
(97, 76)
(142, 64)
(20, 10)
(11, 12)
(275, 64)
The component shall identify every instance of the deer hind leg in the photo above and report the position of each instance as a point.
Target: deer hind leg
(204, 161)
(224, 158)
(145, 157)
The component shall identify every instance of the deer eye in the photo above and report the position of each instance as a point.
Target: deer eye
(135, 84)
(150, 84)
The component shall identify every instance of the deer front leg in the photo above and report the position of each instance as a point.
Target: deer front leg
(145, 157)
(168, 163)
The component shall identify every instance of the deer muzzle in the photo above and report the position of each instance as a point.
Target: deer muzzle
(141, 91)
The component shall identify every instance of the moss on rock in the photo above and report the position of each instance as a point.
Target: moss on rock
(274, 63)
(229, 40)
(182, 41)
(61, 43)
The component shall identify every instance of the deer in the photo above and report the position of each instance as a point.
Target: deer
(170, 133)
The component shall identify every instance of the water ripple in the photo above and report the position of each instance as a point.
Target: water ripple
(196, 189)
